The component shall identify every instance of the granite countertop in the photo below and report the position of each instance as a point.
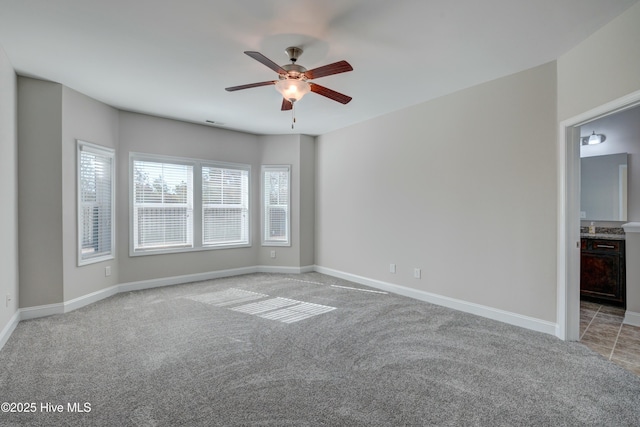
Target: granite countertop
(602, 236)
(603, 233)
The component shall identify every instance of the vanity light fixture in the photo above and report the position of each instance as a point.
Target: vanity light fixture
(593, 139)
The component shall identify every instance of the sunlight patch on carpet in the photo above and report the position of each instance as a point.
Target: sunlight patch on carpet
(281, 309)
(267, 305)
(298, 312)
(227, 297)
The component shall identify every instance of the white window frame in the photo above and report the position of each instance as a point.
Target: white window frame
(189, 205)
(245, 232)
(98, 150)
(197, 223)
(266, 241)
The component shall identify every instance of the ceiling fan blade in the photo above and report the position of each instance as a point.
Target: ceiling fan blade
(328, 70)
(250, 85)
(331, 94)
(265, 61)
(286, 105)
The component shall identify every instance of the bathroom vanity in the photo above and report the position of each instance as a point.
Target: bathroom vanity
(602, 268)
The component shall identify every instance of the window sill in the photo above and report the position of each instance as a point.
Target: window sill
(134, 253)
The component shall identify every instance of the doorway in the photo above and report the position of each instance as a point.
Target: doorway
(568, 245)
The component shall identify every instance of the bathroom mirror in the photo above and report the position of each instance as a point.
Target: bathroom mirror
(603, 187)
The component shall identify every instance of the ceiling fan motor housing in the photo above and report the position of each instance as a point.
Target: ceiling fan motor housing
(294, 71)
(294, 53)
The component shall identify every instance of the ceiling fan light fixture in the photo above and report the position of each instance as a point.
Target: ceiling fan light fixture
(293, 89)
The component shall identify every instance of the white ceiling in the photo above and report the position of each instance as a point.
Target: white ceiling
(174, 58)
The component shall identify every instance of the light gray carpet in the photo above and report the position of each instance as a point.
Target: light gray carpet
(210, 353)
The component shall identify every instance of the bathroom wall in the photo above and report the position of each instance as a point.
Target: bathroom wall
(622, 131)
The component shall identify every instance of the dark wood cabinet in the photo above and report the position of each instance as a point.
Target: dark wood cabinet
(602, 271)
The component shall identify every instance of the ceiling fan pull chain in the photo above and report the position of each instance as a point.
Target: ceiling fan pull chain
(293, 114)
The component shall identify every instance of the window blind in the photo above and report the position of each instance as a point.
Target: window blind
(276, 204)
(95, 203)
(163, 205)
(225, 206)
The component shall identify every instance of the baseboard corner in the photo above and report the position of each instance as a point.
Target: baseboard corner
(285, 270)
(6, 332)
(631, 318)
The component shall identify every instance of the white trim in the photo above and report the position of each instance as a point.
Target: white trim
(569, 215)
(631, 318)
(622, 191)
(561, 244)
(263, 227)
(456, 304)
(284, 270)
(84, 300)
(631, 227)
(76, 303)
(41, 311)
(9, 328)
(99, 150)
(187, 278)
(308, 269)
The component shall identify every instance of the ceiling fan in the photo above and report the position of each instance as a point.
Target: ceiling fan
(293, 80)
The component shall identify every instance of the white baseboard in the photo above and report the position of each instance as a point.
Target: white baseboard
(76, 303)
(188, 278)
(8, 330)
(96, 296)
(284, 270)
(41, 311)
(456, 304)
(631, 318)
(307, 269)
(468, 307)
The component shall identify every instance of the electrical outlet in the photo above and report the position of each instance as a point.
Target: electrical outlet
(392, 268)
(107, 271)
(273, 254)
(417, 273)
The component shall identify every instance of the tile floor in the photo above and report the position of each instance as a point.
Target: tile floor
(601, 330)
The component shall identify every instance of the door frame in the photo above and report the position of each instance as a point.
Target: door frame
(568, 239)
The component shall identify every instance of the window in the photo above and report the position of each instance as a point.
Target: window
(225, 206)
(95, 203)
(276, 205)
(162, 205)
(186, 204)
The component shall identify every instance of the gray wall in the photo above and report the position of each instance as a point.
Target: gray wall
(9, 180)
(299, 152)
(583, 87)
(92, 121)
(40, 188)
(307, 200)
(52, 118)
(463, 187)
(146, 134)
